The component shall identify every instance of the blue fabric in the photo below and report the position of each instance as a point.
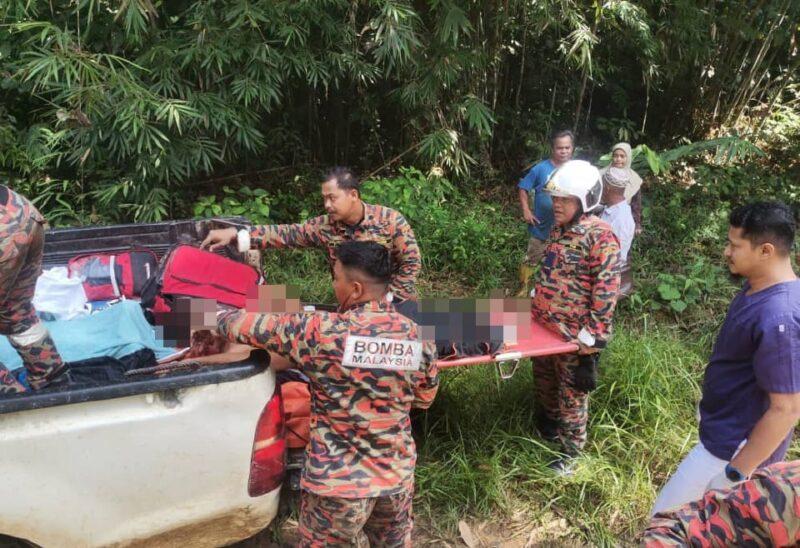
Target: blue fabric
(757, 352)
(117, 331)
(534, 182)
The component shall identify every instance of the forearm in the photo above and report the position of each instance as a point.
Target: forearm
(604, 301)
(524, 200)
(605, 266)
(427, 383)
(765, 438)
(283, 236)
(407, 256)
(238, 327)
(404, 281)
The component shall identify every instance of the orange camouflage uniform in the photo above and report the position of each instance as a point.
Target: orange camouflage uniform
(361, 445)
(575, 288)
(380, 224)
(762, 511)
(21, 249)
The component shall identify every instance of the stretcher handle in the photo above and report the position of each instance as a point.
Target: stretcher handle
(502, 359)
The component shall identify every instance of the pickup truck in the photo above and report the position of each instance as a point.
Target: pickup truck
(190, 458)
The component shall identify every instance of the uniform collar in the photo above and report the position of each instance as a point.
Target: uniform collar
(3, 195)
(366, 218)
(580, 227)
(371, 306)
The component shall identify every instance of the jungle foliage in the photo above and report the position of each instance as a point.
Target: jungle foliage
(131, 104)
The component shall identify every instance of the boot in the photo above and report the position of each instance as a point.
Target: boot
(42, 360)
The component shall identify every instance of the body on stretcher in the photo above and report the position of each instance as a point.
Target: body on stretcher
(533, 340)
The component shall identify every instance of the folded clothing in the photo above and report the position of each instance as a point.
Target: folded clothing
(100, 371)
(117, 331)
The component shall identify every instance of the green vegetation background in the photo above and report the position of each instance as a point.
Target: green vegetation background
(142, 110)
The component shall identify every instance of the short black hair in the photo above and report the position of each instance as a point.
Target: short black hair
(562, 133)
(369, 258)
(766, 222)
(344, 177)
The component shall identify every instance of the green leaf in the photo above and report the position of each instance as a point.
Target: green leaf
(678, 305)
(668, 292)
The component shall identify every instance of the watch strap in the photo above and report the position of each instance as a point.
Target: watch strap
(733, 473)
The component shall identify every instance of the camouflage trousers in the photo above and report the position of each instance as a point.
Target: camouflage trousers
(763, 511)
(21, 248)
(335, 521)
(561, 411)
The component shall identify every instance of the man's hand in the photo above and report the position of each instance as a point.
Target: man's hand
(584, 350)
(219, 238)
(530, 218)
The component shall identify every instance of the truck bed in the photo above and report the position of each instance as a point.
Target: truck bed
(64, 243)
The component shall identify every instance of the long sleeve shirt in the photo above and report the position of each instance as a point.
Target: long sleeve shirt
(367, 368)
(620, 218)
(380, 224)
(578, 283)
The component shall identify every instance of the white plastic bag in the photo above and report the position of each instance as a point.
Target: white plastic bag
(58, 294)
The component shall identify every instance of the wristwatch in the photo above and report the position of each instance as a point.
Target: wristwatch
(733, 473)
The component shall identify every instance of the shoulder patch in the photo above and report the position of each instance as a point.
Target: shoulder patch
(382, 353)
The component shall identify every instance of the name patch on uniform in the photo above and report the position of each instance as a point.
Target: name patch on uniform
(380, 353)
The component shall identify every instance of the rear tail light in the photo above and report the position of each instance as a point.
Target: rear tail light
(268, 463)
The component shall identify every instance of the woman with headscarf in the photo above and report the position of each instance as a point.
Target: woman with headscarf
(621, 158)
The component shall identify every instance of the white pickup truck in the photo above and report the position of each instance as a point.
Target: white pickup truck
(190, 458)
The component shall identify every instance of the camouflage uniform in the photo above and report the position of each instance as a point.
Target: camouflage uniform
(380, 224)
(576, 288)
(377, 521)
(21, 248)
(361, 456)
(763, 511)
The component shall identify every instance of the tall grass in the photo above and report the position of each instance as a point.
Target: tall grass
(479, 454)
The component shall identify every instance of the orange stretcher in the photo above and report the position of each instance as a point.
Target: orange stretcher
(534, 341)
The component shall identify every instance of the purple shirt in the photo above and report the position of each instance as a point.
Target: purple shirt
(757, 352)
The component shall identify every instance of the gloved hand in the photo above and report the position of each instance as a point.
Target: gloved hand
(585, 377)
(721, 481)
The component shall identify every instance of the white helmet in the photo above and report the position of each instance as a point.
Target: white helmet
(579, 179)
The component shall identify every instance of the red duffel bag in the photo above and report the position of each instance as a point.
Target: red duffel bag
(188, 271)
(108, 276)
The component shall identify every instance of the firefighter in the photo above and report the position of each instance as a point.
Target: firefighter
(367, 368)
(762, 511)
(21, 248)
(574, 294)
(347, 218)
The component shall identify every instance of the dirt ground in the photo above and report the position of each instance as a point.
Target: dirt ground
(519, 531)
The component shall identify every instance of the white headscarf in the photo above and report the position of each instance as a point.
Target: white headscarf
(634, 181)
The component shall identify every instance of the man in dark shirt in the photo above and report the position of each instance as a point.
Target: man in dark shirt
(751, 390)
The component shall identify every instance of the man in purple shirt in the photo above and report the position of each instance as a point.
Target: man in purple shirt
(751, 389)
